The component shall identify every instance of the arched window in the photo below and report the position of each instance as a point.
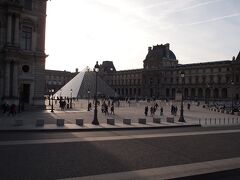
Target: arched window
(193, 94)
(167, 92)
(215, 93)
(126, 92)
(130, 91)
(26, 41)
(173, 93)
(200, 93)
(224, 93)
(208, 93)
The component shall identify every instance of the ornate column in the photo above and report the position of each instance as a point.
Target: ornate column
(7, 80)
(9, 29)
(16, 32)
(15, 80)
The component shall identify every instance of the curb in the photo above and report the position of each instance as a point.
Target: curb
(96, 129)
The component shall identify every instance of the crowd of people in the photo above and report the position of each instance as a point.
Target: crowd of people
(106, 105)
(9, 109)
(153, 109)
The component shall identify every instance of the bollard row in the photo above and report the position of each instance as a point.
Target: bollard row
(110, 121)
(219, 121)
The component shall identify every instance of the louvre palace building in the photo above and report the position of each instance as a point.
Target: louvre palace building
(22, 51)
(160, 78)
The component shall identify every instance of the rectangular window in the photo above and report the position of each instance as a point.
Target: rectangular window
(28, 4)
(27, 37)
(204, 79)
(197, 80)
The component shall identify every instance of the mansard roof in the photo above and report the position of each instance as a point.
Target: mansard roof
(159, 52)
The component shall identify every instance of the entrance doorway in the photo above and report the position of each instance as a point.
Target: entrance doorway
(25, 94)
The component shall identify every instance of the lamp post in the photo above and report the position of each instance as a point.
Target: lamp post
(88, 91)
(95, 119)
(232, 83)
(207, 96)
(52, 91)
(71, 99)
(181, 118)
(49, 98)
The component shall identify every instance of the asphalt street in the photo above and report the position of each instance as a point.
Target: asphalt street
(11, 136)
(76, 159)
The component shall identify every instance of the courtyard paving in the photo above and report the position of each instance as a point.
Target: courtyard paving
(134, 111)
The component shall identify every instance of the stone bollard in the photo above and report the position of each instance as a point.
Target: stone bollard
(79, 122)
(18, 122)
(170, 119)
(40, 122)
(111, 121)
(157, 120)
(60, 122)
(127, 121)
(142, 120)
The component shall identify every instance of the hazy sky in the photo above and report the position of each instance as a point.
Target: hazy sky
(81, 32)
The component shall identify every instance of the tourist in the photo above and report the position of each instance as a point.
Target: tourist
(146, 110)
(161, 111)
(112, 109)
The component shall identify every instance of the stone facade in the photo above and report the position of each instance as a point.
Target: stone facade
(22, 52)
(56, 79)
(160, 78)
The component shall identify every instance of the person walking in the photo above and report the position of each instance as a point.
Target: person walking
(146, 110)
(161, 111)
(112, 109)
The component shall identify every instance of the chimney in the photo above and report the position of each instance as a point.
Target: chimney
(149, 49)
(167, 50)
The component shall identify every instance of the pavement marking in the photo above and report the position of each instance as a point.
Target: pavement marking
(169, 172)
(112, 138)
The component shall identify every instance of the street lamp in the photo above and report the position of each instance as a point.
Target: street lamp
(206, 94)
(95, 119)
(52, 91)
(181, 118)
(232, 83)
(71, 99)
(49, 98)
(88, 91)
